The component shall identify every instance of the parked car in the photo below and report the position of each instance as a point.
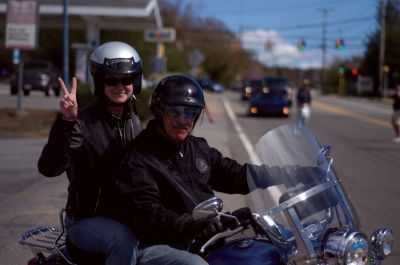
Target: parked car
(37, 75)
(210, 85)
(275, 97)
(250, 87)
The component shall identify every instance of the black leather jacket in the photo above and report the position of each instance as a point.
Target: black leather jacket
(89, 150)
(163, 182)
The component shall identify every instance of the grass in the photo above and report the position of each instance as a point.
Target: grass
(32, 123)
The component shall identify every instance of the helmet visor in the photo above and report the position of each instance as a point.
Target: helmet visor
(185, 112)
(120, 65)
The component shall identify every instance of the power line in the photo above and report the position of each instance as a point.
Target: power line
(272, 8)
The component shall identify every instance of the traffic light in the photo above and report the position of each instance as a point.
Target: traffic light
(301, 45)
(342, 70)
(339, 44)
(354, 71)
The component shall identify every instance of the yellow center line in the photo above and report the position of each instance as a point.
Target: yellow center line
(331, 108)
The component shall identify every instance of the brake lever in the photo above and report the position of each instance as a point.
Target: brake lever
(220, 235)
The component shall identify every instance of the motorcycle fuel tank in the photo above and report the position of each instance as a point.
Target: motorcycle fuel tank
(245, 251)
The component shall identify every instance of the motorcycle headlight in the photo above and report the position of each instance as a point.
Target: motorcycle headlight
(381, 243)
(347, 246)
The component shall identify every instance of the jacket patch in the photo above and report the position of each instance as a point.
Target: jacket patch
(201, 165)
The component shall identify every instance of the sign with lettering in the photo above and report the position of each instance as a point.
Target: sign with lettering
(160, 35)
(21, 24)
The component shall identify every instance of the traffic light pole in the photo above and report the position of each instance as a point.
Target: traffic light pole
(323, 46)
(65, 44)
(382, 50)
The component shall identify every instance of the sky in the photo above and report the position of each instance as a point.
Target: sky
(285, 22)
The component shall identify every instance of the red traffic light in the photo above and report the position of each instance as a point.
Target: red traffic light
(354, 71)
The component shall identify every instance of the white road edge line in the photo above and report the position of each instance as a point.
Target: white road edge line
(248, 146)
(254, 159)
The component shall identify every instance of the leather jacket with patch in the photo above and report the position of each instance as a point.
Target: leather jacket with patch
(89, 149)
(162, 182)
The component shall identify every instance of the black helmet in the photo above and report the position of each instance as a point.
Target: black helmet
(177, 90)
(114, 58)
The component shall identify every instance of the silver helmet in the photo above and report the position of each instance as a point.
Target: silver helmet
(110, 58)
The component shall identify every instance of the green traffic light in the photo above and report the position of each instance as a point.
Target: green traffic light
(342, 70)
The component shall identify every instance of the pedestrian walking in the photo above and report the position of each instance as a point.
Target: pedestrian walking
(396, 115)
(303, 103)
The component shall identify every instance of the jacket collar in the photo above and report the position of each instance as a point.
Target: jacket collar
(103, 111)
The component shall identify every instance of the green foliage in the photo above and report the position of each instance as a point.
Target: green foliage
(370, 64)
(143, 103)
(224, 59)
(83, 94)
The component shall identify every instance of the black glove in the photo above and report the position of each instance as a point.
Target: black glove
(203, 228)
(209, 227)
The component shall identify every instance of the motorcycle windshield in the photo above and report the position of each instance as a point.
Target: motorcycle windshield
(295, 190)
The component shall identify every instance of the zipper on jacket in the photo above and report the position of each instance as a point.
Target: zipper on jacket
(97, 202)
(121, 133)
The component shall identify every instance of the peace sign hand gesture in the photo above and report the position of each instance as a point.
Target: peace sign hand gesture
(68, 103)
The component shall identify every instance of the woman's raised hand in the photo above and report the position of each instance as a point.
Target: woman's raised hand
(68, 103)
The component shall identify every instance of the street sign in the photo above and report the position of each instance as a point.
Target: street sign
(160, 35)
(16, 56)
(21, 25)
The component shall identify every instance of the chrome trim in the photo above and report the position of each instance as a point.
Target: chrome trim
(302, 196)
(305, 250)
(216, 237)
(208, 208)
(60, 242)
(335, 245)
(378, 239)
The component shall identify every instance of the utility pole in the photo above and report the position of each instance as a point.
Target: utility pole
(323, 46)
(65, 44)
(382, 88)
(240, 24)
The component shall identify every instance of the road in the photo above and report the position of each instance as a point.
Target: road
(357, 130)
(365, 158)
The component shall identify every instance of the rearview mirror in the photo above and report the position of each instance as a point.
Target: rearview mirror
(208, 208)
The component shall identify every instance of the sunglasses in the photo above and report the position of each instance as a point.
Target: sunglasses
(185, 112)
(113, 81)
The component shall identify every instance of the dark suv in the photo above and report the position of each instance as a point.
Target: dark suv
(38, 75)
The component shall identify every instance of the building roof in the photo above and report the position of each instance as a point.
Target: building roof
(104, 14)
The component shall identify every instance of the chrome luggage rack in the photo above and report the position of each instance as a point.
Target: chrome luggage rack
(43, 239)
(47, 239)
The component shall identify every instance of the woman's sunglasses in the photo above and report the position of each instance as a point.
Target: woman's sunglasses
(181, 111)
(113, 81)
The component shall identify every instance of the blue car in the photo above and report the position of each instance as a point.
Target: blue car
(210, 85)
(270, 102)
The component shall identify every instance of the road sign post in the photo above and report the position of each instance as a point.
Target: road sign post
(160, 36)
(21, 34)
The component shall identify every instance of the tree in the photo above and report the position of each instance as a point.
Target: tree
(370, 64)
(224, 59)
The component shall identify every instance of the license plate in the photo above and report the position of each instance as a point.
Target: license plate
(27, 86)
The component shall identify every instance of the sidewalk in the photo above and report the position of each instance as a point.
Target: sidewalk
(215, 133)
